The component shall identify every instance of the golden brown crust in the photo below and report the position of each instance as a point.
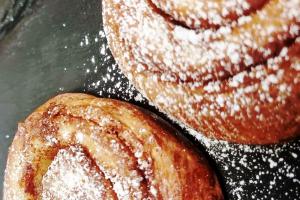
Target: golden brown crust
(239, 83)
(77, 145)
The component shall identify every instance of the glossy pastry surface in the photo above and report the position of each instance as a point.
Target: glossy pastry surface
(78, 146)
(229, 70)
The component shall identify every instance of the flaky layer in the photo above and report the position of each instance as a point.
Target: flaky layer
(77, 146)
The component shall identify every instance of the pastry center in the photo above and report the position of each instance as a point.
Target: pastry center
(72, 175)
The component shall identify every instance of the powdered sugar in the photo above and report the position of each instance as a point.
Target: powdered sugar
(70, 177)
(256, 172)
(106, 79)
(163, 46)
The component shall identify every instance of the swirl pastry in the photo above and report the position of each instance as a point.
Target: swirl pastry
(77, 146)
(229, 69)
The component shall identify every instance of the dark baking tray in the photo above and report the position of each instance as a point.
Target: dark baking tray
(57, 46)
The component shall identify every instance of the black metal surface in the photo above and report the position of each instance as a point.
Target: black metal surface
(56, 49)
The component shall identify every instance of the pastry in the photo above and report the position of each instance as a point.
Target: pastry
(77, 146)
(228, 69)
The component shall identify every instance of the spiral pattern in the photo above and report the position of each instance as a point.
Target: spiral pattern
(229, 69)
(207, 14)
(80, 147)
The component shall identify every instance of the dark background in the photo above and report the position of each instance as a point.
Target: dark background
(56, 46)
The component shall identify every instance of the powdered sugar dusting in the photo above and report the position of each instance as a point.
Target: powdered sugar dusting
(198, 14)
(106, 79)
(204, 54)
(256, 172)
(70, 177)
